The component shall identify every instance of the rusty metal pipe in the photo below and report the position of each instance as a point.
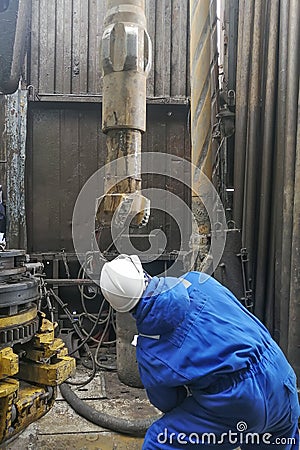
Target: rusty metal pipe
(246, 12)
(203, 106)
(245, 27)
(126, 61)
(263, 271)
(120, 143)
(280, 141)
(289, 167)
(250, 204)
(294, 329)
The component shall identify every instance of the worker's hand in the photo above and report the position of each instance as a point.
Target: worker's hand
(167, 398)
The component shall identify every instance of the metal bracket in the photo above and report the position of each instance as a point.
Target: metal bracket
(247, 298)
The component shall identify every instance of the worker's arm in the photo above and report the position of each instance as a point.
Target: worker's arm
(167, 398)
(165, 388)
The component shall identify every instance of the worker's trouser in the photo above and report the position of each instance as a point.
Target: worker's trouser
(254, 409)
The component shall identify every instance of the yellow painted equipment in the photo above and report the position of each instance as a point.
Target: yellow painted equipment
(32, 361)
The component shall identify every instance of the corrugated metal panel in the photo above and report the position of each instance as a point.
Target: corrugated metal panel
(66, 146)
(65, 47)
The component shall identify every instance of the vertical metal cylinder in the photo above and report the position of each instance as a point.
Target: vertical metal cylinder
(253, 141)
(245, 27)
(203, 100)
(126, 357)
(126, 61)
(280, 150)
(124, 143)
(265, 248)
(291, 114)
(294, 329)
(201, 84)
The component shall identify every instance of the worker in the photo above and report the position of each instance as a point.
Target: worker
(205, 361)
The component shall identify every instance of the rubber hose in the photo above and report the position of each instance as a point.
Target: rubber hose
(132, 427)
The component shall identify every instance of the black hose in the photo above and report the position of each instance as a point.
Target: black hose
(86, 347)
(89, 335)
(132, 427)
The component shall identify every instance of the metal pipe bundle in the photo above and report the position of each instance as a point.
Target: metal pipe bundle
(290, 264)
(266, 215)
(266, 172)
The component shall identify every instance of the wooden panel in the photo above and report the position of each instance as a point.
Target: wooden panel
(66, 146)
(47, 48)
(179, 48)
(35, 44)
(167, 133)
(66, 45)
(91, 141)
(63, 47)
(45, 179)
(177, 146)
(15, 144)
(96, 18)
(80, 46)
(69, 169)
(162, 49)
(151, 21)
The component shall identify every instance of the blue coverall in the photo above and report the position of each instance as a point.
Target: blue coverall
(213, 369)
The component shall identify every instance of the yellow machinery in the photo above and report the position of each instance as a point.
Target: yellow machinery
(32, 361)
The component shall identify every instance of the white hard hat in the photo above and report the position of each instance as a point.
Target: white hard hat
(122, 282)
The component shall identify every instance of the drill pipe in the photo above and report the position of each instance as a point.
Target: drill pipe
(126, 62)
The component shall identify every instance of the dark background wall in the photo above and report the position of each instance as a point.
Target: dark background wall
(65, 147)
(65, 144)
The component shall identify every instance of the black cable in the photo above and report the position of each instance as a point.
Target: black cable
(131, 427)
(95, 360)
(90, 333)
(98, 363)
(92, 318)
(78, 331)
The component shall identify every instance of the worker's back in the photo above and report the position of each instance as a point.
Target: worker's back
(195, 335)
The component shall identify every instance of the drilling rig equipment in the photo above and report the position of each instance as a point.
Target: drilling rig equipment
(126, 62)
(32, 361)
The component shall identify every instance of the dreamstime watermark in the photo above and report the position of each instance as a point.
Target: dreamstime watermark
(166, 165)
(235, 438)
